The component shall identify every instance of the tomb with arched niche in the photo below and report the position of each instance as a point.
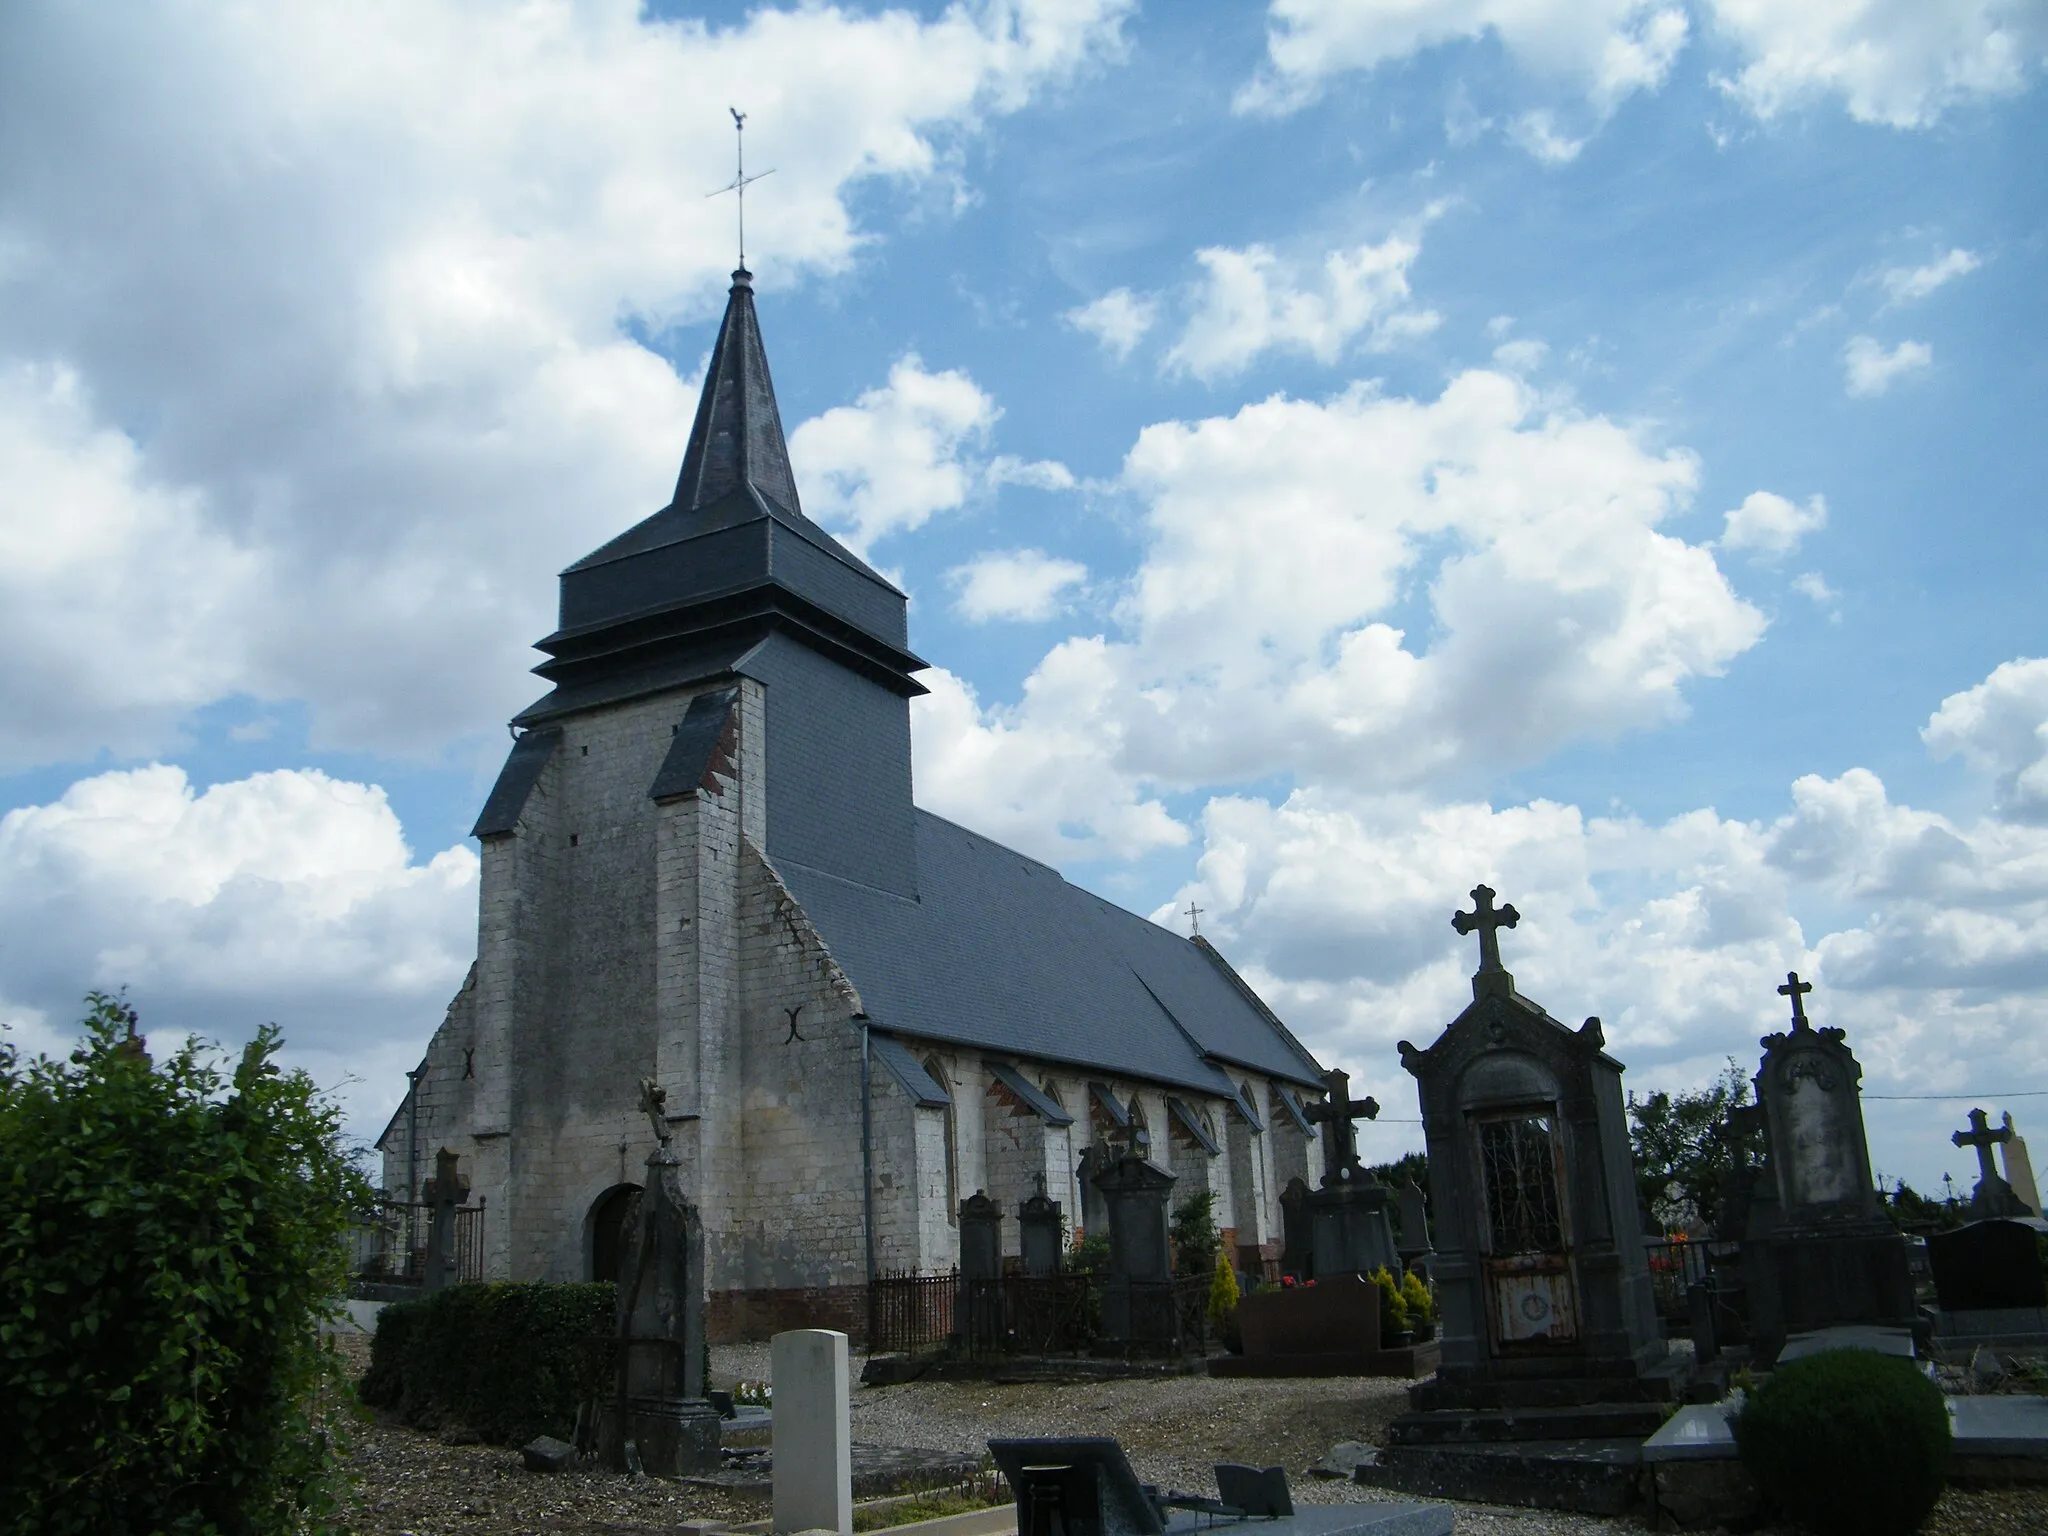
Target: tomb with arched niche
(1548, 1324)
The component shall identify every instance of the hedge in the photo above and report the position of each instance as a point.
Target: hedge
(509, 1360)
(170, 1239)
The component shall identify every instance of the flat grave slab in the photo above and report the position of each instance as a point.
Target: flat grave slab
(1884, 1341)
(1389, 1519)
(1697, 1432)
(877, 1469)
(2000, 1426)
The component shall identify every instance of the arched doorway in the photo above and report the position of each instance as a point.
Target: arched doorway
(609, 1226)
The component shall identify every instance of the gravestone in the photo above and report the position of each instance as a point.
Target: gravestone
(1137, 1302)
(1349, 1232)
(444, 1193)
(1993, 1197)
(1414, 1210)
(813, 1441)
(1820, 1252)
(1987, 1265)
(979, 1314)
(1543, 1288)
(1039, 1226)
(1296, 1256)
(659, 1419)
(2019, 1167)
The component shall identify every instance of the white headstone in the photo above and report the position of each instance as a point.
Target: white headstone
(2019, 1169)
(813, 1441)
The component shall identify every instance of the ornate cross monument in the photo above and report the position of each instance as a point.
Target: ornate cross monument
(1341, 1114)
(1539, 1260)
(659, 1420)
(1819, 1249)
(1993, 1195)
(1349, 1230)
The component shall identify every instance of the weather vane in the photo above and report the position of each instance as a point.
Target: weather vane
(738, 184)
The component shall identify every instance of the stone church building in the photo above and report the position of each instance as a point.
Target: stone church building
(702, 864)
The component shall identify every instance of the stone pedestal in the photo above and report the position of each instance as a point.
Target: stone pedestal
(1349, 1229)
(813, 1452)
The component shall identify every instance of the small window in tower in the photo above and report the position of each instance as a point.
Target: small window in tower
(586, 751)
(572, 839)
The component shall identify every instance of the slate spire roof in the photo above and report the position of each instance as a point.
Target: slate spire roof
(737, 439)
(685, 595)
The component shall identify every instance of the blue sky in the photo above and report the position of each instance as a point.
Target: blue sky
(1337, 453)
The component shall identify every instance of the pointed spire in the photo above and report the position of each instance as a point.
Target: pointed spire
(737, 439)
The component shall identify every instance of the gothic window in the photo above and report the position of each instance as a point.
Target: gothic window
(1518, 1165)
(1052, 1092)
(938, 1075)
(611, 1224)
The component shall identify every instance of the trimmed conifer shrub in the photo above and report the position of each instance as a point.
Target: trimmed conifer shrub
(1848, 1442)
(509, 1360)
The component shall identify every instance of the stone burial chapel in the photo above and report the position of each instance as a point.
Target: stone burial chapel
(702, 864)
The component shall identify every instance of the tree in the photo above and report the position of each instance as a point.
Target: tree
(1194, 1234)
(170, 1240)
(1690, 1154)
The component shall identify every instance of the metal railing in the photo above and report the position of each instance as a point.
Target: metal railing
(388, 1243)
(1676, 1264)
(1022, 1314)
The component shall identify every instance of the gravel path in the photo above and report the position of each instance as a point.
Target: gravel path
(1173, 1429)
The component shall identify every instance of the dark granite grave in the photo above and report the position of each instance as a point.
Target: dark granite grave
(658, 1418)
(1138, 1311)
(1819, 1251)
(1988, 1265)
(1330, 1328)
(978, 1312)
(1039, 1229)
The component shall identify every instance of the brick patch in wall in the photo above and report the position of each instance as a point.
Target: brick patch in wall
(731, 1317)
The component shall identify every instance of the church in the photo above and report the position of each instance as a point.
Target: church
(702, 864)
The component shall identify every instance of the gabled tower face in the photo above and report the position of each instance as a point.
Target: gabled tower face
(729, 681)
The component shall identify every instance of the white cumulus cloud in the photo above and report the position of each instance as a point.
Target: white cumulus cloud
(289, 896)
(320, 307)
(1769, 524)
(1606, 50)
(1903, 285)
(2000, 727)
(1868, 369)
(1249, 302)
(1023, 584)
(1368, 591)
(1119, 320)
(1902, 65)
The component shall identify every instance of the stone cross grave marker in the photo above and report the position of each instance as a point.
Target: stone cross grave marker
(1487, 920)
(813, 1444)
(444, 1192)
(1993, 1197)
(1341, 1114)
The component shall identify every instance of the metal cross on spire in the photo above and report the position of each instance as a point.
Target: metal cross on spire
(1796, 989)
(741, 180)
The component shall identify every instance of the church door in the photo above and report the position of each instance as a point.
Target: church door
(1528, 1268)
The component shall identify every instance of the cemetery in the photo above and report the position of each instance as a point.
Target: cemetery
(1533, 1365)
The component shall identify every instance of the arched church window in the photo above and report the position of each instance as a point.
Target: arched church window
(938, 1075)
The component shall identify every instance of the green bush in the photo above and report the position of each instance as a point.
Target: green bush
(508, 1360)
(1195, 1238)
(169, 1242)
(1393, 1310)
(1848, 1442)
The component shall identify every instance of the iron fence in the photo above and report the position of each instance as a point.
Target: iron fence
(1676, 1264)
(388, 1242)
(1021, 1314)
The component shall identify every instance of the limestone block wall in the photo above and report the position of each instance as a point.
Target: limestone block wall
(445, 1096)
